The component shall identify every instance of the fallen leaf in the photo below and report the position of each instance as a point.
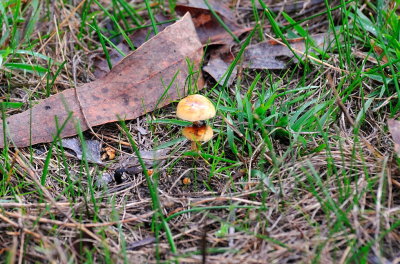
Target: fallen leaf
(218, 68)
(132, 88)
(92, 152)
(101, 67)
(218, 7)
(130, 164)
(119, 173)
(151, 158)
(364, 55)
(142, 35)
(394, 128)
(296, 7)
(274, 56)
(207, 26)
(139, 37)
(218, 65)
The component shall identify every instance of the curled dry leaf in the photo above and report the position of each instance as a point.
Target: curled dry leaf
(272, 55)
(130, 164)
(394, 128)
(132, 88)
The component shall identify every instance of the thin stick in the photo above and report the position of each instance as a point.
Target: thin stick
(9, 221)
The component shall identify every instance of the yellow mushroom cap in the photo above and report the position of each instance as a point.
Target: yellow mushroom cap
(195, 108)
(202, 133)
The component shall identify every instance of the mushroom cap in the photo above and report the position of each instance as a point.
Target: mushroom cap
(195, 133)
(195, 108)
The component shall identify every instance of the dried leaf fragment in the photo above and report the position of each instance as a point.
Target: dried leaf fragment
(151, 158)
(92, 152)
(274, 56)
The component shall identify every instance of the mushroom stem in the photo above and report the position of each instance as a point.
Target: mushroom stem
(194, 146)
(198, 123)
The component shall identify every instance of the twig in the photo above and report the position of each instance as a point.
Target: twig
(9, 221)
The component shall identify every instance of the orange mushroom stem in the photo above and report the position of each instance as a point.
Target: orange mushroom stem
(198, 134)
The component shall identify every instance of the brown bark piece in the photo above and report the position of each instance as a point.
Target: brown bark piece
(132, 88)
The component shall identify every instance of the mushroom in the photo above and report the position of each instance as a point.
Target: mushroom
(196, 108)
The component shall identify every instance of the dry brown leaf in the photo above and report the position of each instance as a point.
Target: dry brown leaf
(218, 7)
(100, 64)
(394, 128)
(151, 158)
(207, 26)
(134, 87)
(142, 35)
(272, 55)
(218, 65)
(139, 37)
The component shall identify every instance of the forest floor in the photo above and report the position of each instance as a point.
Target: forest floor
(302, 166)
